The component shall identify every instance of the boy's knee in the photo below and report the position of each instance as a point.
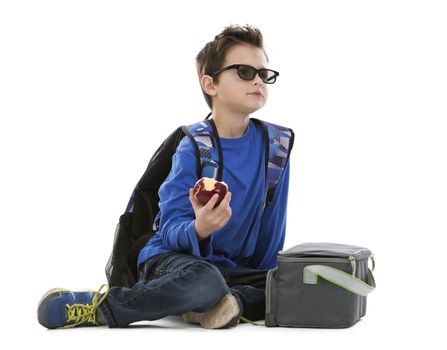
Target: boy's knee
(211, 272)
(209, 282)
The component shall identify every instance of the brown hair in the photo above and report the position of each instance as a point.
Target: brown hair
(212, 56)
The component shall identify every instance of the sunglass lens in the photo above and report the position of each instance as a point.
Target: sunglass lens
(268, 76)
(246, 72)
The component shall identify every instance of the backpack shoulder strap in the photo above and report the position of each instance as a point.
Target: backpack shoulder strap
(278, 145)
(206, 142)
(204, 138)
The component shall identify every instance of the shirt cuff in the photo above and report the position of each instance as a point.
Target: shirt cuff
(202, 249)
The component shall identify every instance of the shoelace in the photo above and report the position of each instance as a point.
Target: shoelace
(249, 321)
(81, 313)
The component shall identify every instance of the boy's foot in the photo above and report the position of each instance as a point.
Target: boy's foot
(225, 314)
(63, 308)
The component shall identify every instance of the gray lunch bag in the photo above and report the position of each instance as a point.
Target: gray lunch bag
(320, 285)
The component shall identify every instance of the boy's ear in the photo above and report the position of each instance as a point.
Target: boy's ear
(207, 83)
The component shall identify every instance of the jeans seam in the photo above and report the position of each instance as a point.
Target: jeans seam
(162, 271)
(242, 288)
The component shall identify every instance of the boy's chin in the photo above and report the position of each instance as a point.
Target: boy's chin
(247, 109)
(253, 109)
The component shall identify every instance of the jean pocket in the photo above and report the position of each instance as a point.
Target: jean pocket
(148, 270)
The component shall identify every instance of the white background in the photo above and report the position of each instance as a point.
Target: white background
(90, 89)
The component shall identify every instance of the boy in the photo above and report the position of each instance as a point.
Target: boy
(206, 264)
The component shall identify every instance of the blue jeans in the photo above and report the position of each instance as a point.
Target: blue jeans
(174, 283)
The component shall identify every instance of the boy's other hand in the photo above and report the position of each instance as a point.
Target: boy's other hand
(208, 218)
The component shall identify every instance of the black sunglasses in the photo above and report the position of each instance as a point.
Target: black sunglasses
(247, 72)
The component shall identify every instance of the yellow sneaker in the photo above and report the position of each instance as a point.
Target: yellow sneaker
(62, 308)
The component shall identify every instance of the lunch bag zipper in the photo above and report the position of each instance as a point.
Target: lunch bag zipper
(332, 254)
(348, 260)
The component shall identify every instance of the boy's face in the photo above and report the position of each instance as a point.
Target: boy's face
(234, 93)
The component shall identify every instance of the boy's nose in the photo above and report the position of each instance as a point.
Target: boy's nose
(258, 80)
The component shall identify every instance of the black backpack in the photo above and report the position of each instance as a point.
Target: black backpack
(140, 220)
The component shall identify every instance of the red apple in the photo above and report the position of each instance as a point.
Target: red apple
(206, 187)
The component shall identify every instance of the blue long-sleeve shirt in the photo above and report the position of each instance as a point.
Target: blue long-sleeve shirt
(250, 238)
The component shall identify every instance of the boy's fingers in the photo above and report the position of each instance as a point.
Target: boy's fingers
(225, 200)
(212, 201)
(192, 198)
(227, 197)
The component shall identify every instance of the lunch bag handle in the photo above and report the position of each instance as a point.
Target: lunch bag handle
(338, 277)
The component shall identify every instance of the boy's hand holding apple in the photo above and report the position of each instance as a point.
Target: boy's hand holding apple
(210, 200)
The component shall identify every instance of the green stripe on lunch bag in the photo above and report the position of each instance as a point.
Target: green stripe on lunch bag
(338, 277)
